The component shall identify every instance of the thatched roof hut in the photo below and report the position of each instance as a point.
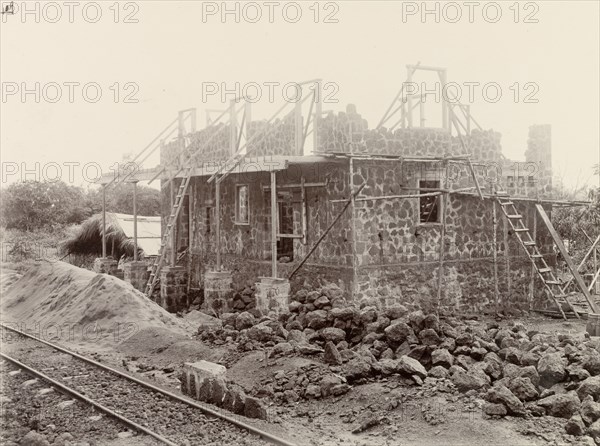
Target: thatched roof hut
(119, 236)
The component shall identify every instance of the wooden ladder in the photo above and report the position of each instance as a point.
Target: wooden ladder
(552, 285)
(160, 258)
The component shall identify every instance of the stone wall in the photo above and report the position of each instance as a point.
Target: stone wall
(213, 144)
(276, 138)
(349, 133)
(246, 248)
(398, 257)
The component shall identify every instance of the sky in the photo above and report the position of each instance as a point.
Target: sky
(529, 63)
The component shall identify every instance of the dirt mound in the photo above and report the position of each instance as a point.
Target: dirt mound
(57, 293)
(162, 347)
(8, 276)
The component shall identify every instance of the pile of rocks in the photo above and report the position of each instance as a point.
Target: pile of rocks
(244, 300)
(517, 371)
(310, 381)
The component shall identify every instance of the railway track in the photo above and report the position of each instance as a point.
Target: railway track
(169, 418)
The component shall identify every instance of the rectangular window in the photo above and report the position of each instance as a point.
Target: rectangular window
(241, 205)
(429, 206)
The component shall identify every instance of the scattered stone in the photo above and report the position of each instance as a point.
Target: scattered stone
(65, 404)
(442, 357)
(590, 410)
(343, 313)
(428, 336)
(395, 312)
(398, 332)
(592, 362)
(388, 366)
(472, 380)
(290, 396)
(494, 409)
(530, 358)
(502, 395)
(368, 315)
(563, 405)
(594, 431)
(332, 385)
(438, 372)
(356, 368)
(296, 336)
(244, 320)
(523, 389)
(282, 349)
(577, 373)
(410, 366)
(388, 353)
(590, 386)
(416, 320)
(312, 391)
(333, 334)
(235, 401)
(367, 424)
(316, 319)
(321, 302)
(332, 355)
(64, 439)
(34, 439)
(254, 408)
(551, 368)
(309, 349)
(478, 353)
(261, 332)
(575, 426)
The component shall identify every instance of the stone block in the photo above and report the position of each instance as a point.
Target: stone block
(272, 295)
(105, 266)
(173, 288)
(218, 292)
(255, 408)
(136, 273)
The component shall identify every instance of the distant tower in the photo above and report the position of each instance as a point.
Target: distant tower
(539, 152)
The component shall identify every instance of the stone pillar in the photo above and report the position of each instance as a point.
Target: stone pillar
(105, 266)
(136, 273)
(218, 292)
(173, 288)
(272, 294)
(539, 153)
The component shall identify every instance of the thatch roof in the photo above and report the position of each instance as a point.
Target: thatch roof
(88, 239)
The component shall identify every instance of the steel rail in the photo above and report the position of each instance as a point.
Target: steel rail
(84, 398)
(262, 434)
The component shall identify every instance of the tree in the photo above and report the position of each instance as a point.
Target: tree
(119, 198)
(35, 205)
(572, 223)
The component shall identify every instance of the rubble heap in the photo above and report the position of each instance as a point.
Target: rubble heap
(517, 372)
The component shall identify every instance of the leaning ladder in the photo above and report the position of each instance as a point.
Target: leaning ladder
(546, 274)
(160, 258)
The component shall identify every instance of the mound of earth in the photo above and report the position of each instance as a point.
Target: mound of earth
(8, 276)
(162, 346)
(52, 294)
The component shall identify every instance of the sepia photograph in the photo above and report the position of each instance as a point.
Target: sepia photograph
(300, 223)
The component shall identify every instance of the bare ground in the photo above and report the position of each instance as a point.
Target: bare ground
(389, 411)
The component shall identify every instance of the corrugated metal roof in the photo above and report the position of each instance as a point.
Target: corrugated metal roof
(148, 231)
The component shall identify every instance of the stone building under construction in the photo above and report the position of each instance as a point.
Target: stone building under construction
(431, 217)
